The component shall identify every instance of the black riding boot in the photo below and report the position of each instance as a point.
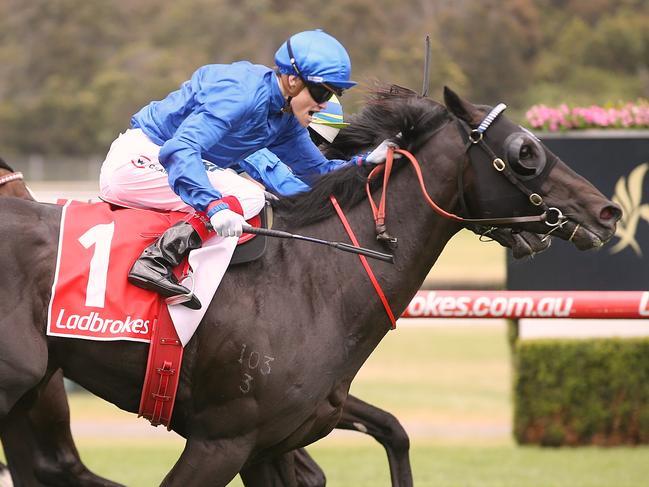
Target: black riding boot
(153, 270)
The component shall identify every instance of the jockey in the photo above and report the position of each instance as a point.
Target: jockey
(223, 114)
(266, 168)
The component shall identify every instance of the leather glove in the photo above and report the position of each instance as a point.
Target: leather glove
(227, 223)
(378, 155)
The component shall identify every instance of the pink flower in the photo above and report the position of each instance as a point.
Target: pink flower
(563, 117)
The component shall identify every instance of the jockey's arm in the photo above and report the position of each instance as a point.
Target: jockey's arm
(265, 167)
(298, 151)
(181, 156)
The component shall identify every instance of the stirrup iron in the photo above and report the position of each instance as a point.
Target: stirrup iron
(182, 298)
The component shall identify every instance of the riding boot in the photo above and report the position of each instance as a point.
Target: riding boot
(153, 270)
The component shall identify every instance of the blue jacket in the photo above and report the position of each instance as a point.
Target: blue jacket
(224, 113)
(268, 169)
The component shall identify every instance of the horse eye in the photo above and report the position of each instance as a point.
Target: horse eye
(526, 152)
(524, 164)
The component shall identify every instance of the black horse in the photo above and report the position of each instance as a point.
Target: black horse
(37, 439)
(40, 445)
(334, 320)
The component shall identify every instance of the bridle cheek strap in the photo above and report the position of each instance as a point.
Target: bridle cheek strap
(382, 234)
(366, 265)
(379, 213)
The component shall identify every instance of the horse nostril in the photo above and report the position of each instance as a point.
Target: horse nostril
(611, 212)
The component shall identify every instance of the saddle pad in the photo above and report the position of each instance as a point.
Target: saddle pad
(91, 297)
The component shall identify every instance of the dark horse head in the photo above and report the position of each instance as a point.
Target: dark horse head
(270, 366)
(501, 171)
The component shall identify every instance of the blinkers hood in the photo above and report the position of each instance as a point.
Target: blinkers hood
(510, 164)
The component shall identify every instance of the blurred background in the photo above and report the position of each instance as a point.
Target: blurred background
(72, 72)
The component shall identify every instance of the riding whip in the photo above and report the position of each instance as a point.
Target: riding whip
(336, 245)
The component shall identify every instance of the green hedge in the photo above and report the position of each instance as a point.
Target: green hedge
(581, 392)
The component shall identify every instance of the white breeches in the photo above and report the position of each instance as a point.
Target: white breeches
(132, 176)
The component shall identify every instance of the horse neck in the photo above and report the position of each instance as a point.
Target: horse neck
(422, 236)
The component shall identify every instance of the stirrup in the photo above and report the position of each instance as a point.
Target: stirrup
(182, 298)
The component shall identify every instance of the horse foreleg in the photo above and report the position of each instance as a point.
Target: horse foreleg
(384, 428)
(292, 469)
(307, 472)
(18, 442)
(206, 463)
(274, 472)
(56, 459)
(23, 363)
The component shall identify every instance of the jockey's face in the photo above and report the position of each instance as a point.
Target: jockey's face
(303, 105)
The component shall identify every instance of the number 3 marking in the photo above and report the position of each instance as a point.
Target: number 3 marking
(100, 236)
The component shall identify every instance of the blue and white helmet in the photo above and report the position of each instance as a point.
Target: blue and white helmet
(316, 57)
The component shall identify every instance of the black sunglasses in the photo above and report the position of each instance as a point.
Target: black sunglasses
(320, 92)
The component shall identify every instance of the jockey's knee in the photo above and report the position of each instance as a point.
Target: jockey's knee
(114, 187)
(251, 197)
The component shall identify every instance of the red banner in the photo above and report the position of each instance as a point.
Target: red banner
(529, 304)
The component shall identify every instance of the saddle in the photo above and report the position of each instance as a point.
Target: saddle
(80, 307)
(252, 247)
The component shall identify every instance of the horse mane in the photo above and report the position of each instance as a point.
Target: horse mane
(4, 165)
(389, 110)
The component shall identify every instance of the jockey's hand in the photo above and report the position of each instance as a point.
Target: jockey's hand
(227, 223)
(378, 155)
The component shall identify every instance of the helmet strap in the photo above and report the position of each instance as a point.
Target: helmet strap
(287, 90)
(287, 106)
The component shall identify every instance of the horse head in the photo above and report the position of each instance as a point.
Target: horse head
(513, 174)
(477, 163)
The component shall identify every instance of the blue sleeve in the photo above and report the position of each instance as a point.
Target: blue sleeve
(297, 150)
(265, 167)
(181, 155)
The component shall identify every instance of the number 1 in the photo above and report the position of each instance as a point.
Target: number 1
(101, 237)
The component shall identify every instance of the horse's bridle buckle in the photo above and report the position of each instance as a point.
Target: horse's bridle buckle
(556, 221)
(475, 136)
(499, 164)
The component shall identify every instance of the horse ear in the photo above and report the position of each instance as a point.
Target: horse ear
(461, 108)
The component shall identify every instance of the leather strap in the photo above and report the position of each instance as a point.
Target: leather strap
(366, 265)
(162, 371)
(379, 213)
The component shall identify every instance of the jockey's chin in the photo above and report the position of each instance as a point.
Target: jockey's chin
(303, 107)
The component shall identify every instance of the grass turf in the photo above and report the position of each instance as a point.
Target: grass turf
(449, 384)
(355, 463)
